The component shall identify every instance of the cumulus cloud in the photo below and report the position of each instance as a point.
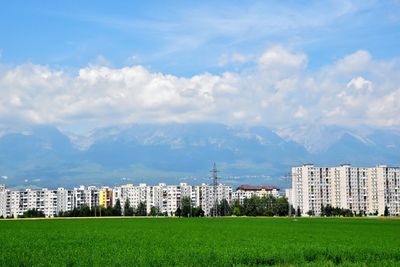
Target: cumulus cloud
(280, 58)
(353, 63)
(277, 90)
(4, 177)
(360, 83)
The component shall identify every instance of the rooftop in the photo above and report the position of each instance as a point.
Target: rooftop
(256, 187)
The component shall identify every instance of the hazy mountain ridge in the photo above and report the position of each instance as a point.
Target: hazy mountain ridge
(171, 152)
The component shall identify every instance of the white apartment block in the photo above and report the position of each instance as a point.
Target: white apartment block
(14, 203)
(365, 189)
(204, 195)
(247, 191)
(165, 198)
(135, 194)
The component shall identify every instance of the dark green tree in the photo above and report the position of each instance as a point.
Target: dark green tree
(128, 211)
(223, 208)
(186, 206)
(281, 207)
(386, 212)
(298, 212)
(33, 213)
(117, 210)
(153, 211)
(310, 213)
(178, 212)
(251, 206)
(141, 209)
(197, 212)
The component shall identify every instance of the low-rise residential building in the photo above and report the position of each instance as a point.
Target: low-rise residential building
(247, 191)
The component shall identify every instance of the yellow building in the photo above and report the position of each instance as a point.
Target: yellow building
(105, 197)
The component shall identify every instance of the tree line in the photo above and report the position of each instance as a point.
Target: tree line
(254, 206)
(116, 210)
(258, 206)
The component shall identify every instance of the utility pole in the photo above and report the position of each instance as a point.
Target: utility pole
(287, 177)
(290, 208)
(214, 177)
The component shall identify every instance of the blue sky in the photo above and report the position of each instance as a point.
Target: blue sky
(186, 38)
(88, 64)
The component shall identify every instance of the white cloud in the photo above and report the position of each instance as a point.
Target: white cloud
(360, 83)
(278, 57)
(5, 177)
(353, 63)
(278, 90)
(301, 112)
(234, 58)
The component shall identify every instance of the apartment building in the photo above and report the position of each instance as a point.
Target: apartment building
(106, 197)
(165, 198)
(206, 196)
(360, 189)
(247, 191)
(135, 194)
(14, 203)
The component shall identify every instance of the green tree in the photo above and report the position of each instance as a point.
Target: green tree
(236, 208)
(178, 212)
(141, 209)
(223, 208)
(236, 211)
(186, 206)
(117, 211)
(197, 212)
(310, 213)
(32, 213)
(153, 211)
(128, 211)
(251, 206)
(298, 212)
(386, 212)
(281, 206)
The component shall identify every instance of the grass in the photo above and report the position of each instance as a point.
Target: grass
(200, 242)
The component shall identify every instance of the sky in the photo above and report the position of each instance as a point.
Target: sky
(81, 65)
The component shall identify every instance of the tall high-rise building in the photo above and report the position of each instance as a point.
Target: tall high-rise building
(360, 189)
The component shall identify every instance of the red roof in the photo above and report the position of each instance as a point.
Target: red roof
(256, 187)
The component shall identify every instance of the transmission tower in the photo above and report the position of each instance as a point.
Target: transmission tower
(214, 177)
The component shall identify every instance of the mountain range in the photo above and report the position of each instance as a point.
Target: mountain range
(173, 153)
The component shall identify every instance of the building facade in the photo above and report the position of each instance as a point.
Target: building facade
(361, 189)
(14, 203)
(247, 191)
(165, 198)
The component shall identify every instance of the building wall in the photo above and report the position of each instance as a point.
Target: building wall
(166, 198)
(359, 189)
(105, 197)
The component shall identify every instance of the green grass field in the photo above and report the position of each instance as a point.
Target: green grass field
(201, 241)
